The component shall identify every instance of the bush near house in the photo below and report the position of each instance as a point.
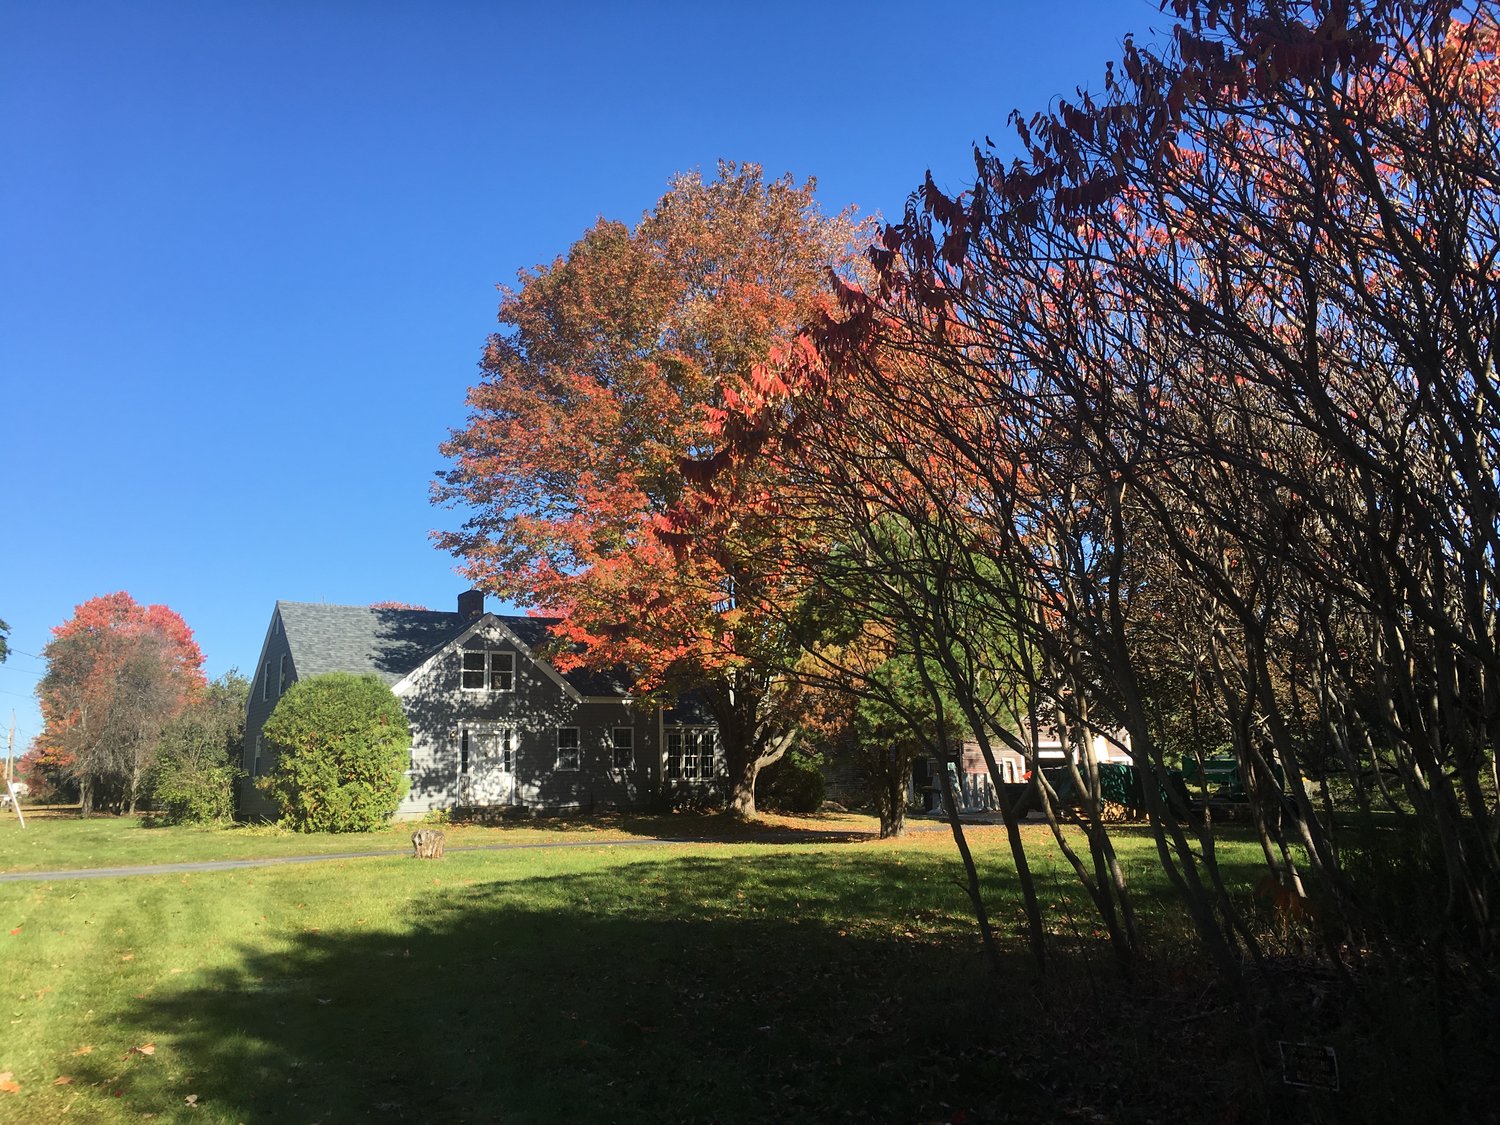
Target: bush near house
(792, 785)
(193, 778)
(342, 745)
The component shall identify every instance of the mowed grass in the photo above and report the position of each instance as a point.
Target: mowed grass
(57, 840)
(722, 981)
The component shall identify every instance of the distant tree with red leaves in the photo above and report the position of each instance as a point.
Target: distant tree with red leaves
(117, 673)
(607, 380)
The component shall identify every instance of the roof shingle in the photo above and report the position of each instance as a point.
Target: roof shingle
(390, 643)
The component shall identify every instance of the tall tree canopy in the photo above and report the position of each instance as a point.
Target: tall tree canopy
(607, 380)
(117, 673)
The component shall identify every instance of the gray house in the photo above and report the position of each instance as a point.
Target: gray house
(494, 726)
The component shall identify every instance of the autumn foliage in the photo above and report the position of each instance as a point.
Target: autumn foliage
(117, 674)
(608, 380)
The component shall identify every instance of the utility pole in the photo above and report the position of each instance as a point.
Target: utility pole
(10, 786)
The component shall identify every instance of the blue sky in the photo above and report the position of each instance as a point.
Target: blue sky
(248, 251)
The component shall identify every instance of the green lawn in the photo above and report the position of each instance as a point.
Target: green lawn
(728, 981)
(55, 841)
(59, 843)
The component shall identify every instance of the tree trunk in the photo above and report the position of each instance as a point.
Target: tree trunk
(976, 897)
(742, 775)
(893, 808)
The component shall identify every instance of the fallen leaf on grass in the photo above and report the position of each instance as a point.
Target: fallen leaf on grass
(62, 1080)
(128, 957)
(192, 1100)
(84, 1051)
(15, 931)
(143, 1049)
(8, 1084)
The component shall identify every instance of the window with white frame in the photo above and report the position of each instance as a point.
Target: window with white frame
(260, 743)
(265, 680)
(489, 670)
(622, 748)
(691, 753)
(567, 748)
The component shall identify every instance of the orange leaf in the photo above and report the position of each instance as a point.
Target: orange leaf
(84, 1051)
(62, 1080)
(143, 1049)
(15, 931)
(8, 1085)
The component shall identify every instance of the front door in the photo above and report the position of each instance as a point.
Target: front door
(487, 765)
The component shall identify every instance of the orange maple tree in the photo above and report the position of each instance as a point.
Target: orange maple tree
(117, 673)
(600, 396)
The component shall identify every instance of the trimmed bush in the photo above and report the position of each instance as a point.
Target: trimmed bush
(342, 745)
(792, 785)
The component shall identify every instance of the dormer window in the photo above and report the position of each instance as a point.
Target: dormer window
(489, 670)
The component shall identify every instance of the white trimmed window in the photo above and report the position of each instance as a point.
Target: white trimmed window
(260, 743)
(692, 753)
(567, 748)
(489, 670)
(622, 748)
(265, 680)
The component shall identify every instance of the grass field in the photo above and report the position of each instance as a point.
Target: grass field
(767, 979)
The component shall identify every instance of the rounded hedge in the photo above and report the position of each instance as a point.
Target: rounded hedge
(793, 784)
(342, 746)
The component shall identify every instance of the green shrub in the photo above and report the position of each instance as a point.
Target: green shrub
(792, 785)
(192, 780)
(194, 790)
(342, 745)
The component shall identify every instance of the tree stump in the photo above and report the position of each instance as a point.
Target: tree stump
(428, 843)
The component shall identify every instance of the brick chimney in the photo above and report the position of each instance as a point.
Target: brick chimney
(471, 604)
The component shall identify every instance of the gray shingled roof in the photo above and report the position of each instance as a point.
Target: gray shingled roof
(393, 642)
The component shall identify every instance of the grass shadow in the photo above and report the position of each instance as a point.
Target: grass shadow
(771, 828)
(781, 988)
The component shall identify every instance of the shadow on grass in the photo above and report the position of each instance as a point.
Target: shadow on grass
(769, 829)
(777, 989)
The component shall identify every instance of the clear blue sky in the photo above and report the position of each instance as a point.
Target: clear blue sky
(248, 250)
